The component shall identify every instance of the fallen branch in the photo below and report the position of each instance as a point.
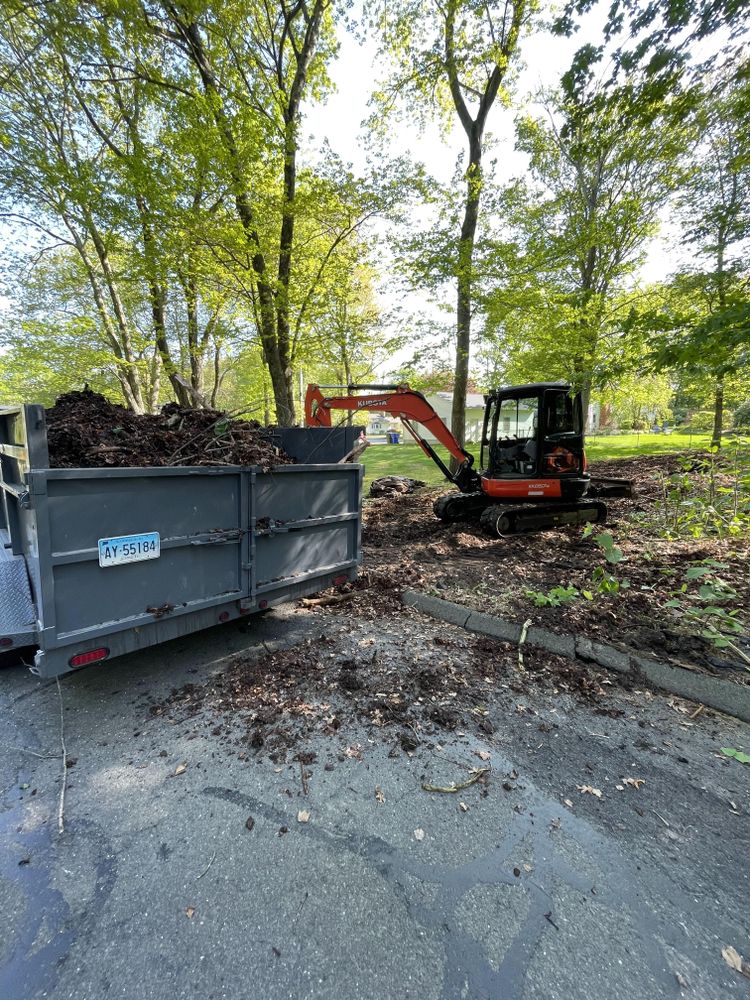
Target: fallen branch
(41, 756)
(61, 808)
(521, 641)
(213, 858)
(303, 776)
(476, 774)
(323, 602)
(357, 450)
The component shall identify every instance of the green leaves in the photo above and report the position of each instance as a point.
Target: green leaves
(738, 755)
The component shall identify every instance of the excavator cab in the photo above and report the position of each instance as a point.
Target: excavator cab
(533, 431)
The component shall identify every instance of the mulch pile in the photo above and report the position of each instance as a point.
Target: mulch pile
(85, 430)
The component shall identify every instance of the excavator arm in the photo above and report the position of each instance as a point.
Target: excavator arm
(411, 408)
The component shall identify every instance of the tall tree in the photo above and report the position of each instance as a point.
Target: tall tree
(714, 208)
(456, 57)
(600, 169)
(255, 63)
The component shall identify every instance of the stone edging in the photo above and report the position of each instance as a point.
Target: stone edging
(734, 699)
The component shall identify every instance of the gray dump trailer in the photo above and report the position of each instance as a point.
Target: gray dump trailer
(95, 563)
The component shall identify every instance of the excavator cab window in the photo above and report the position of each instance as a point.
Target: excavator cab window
(514, 439)
(562, 446)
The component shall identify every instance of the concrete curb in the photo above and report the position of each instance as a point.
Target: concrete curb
(734, 699)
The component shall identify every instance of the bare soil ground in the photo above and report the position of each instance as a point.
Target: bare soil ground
(406, 546)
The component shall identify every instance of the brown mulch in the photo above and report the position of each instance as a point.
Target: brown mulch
(406, 546)
(85, 430)
(403, 690)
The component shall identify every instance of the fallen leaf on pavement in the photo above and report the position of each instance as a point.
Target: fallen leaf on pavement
(634, 782)
(735, 961)
(483, 754)
(354, 751)
(419, 834)
(190, 912)
(743, 758)
(249, 823)
(463, 807)
(589, 790)
(303, 816)
(568, 803)
(379, 797)
(180, 769)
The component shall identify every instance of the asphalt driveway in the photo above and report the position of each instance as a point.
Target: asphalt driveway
(188, 871)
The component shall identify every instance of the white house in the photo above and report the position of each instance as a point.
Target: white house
(442, 403)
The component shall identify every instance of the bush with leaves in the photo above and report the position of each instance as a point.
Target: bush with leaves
(741, 416)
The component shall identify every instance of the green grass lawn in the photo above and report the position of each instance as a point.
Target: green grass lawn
(410, 460)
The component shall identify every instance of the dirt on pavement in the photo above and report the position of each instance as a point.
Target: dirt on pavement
(408, 680)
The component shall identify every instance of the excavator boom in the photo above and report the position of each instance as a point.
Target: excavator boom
(411, 408)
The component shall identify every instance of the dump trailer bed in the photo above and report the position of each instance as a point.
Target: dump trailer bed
(100, 562)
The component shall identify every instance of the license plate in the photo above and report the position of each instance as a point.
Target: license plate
(129, 548)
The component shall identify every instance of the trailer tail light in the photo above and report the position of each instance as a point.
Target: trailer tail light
(224, 616)
(341, 579)
(92, 656)
(263, 605)
(6, 641)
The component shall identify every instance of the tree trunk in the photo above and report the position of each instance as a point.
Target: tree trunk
(127, 371)
(276, 359)
(463, 304)
(157, 297)
(195, 348)
(217, 374)
(585, 403)
(718, 413)
(155, 382)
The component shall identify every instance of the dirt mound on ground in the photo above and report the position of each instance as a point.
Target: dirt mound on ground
(85, 430)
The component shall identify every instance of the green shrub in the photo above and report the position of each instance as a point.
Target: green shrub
(741, 416)
(702, 420)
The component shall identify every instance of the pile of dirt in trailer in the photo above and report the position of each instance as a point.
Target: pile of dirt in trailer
(403, 692)
(405, 546)
(85, 430)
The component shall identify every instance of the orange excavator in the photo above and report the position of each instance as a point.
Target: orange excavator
(533, 472)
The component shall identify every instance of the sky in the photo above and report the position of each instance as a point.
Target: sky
(339, 121)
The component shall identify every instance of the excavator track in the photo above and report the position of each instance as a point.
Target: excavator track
(500, 520)
(460, 506)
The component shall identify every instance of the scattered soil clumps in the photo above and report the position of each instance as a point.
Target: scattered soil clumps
(85, 430)
(404, 693)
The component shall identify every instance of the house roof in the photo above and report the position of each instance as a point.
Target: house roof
(473, 399)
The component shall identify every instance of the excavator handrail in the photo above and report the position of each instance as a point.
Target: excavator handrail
(406, 404)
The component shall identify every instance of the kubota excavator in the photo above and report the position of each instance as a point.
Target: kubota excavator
(533, 465)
